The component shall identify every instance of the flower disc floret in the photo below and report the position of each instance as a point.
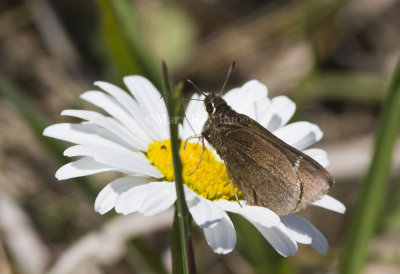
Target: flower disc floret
(209, 180)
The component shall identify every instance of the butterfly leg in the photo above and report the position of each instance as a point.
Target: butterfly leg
(233, 186)
(186, 141)
(190, 138)
(201, 157)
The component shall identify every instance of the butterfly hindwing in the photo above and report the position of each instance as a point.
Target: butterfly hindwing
(278, 176)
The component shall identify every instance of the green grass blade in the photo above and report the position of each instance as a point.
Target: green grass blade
(339, 86)
(131, 28)
(122, 59)
(390, 219)
(121, 31)
(370, 201)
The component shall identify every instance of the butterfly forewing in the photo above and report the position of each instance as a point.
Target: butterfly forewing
(252, 163)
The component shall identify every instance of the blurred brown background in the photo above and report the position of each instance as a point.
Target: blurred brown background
(333, 58)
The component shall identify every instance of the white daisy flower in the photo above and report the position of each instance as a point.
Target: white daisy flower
(134, 140)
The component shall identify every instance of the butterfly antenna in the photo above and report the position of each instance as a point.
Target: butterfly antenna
(196, 87)
(185, 117)
(227, 76)
(193, 99)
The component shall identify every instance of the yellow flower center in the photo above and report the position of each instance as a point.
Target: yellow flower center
(210, 180)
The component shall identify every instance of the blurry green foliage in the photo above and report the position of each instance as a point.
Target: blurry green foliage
(373, 189)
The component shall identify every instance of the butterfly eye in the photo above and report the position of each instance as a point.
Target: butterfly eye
(210, 108)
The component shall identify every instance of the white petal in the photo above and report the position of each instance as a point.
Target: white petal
(244, 99)
(159, 197)
(254, 88)
(129, 104)
(150, 101)
(109, 124)
(298, 227)
(83, 134)
(261, 110)
(81, 150)
(131, 200)
(232, 96)
(280, 239)
(120, 95)
(136, 198)
(82, 167)
(318, 155)
(108, 196)
(134, 162)
(330, 203)
(204, 212)
(112, 107)
(257, 214)
(221, 237)
(300, 134)
(189, 194)
(197, 116)
(279, 113)
(304, 232)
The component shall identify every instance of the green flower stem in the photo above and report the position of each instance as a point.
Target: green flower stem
(370, 202)
(182, 212)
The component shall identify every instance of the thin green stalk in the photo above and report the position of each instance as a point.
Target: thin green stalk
(182, 212)
(176, 248)
(370, 202)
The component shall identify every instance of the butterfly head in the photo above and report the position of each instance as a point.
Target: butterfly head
(214, 103)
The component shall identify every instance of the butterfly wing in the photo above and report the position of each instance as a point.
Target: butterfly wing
(271, 173)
